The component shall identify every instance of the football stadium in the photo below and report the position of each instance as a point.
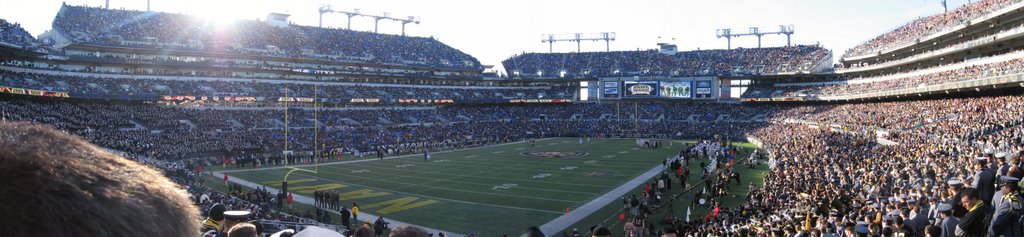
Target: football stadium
(321, 118)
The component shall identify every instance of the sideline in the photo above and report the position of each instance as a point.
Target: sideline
(564, 221)
(371, 159)
(365, 216)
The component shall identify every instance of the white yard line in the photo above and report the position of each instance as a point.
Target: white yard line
(564, 221)
(560, 223)
(428, 186)
(439, 198)
(365, 216)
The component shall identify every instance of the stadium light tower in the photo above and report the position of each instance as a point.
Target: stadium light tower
(727, 34)
(411, 19)
(376, 19)
(329, 9)
(754, 31)
(387, 16)
(324, 9)
(607, 37)
(355, 12)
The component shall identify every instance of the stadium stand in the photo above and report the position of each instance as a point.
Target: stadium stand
(919, 28)
(718, 62)
(13, 34)
(138, 29)
(97, 85)
(223, 131)
(1012, 65)
(128, 81)
(934, 148)
(973, 47)
(949, 130)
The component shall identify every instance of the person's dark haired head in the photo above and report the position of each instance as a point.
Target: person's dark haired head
(363, 232)
(602, 231)
(216, 212)
(886, 232)
(243, 230)
(61, 185)
(933, 231)
(971, 193)
(408, 231)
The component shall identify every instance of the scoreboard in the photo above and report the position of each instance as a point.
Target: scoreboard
(657, 88)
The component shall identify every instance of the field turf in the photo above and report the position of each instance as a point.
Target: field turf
(488, 191)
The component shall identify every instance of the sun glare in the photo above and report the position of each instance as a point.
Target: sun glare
(223, 12)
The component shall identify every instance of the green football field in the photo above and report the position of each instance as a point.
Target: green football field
(488, 191)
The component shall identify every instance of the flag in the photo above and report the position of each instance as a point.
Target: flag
(715, 212)
(687, 214)
(808, 221)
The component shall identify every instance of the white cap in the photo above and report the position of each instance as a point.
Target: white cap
(945, 207)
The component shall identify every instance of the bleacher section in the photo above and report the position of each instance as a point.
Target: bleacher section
(215, 131)
(720, 62)
(135, 87)
(930, 27)
(1002, 69)
(13, 35)
(154, 30)
(957, 54)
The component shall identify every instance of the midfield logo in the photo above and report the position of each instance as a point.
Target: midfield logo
(554, 154)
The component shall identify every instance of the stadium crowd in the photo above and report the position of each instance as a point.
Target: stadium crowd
(854, 86)
(926, 26)
(12, 33)
(756, 61)
(89, 25)
(830, 176)
(157, 131)
(829, 181)
(92, 86)
(936, 167)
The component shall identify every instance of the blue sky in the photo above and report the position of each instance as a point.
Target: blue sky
(494, 30)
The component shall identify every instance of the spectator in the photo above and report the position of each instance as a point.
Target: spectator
(973, 224)
(243, 230)
(41, 165)
(408, 231)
